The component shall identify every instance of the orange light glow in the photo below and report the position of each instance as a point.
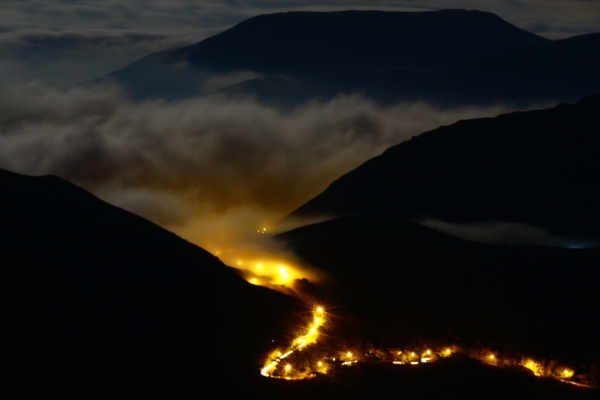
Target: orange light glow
(567, 373)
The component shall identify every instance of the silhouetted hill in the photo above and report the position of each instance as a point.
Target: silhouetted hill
(537, 167)
(417, 286)
(100, 301)
(327, 46)
(562, 70)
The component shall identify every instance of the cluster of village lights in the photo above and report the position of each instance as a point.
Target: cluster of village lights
(536, 367)
(273, 271)
(272, 368)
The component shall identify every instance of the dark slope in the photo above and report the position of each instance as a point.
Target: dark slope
(357, 41)
(101, 301)
(420, 286)
(536, 167)
(563, 70)
(327, 45)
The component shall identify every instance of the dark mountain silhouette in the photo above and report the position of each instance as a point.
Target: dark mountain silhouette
(537, 167)
(417, 286)
(563, 70)
(100, 301)
(327, 48)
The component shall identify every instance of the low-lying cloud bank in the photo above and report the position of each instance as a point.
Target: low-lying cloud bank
(510, 233)
(207, 167)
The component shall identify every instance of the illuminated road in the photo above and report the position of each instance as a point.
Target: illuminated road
(298, 344)
(400, 357)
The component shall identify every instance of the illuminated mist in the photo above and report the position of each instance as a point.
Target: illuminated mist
(211, 169)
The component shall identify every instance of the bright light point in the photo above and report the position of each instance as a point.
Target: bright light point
(288, 368)
(285, 276)
(320, 310)
(492, 356)
(568, 373)
(320, 364)
(254, 281)
(428, 352)
(412, 354)
(278, 354)
(259, 266)
(447, 351)
(282, 270)
(399, 352)
(317, 320)
(349, 354)
(313, 331)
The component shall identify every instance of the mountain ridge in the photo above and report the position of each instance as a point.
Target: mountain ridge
(518, 167)
(94, 292)
(325, 46)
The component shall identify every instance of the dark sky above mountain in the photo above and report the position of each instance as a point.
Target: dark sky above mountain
(65, 42)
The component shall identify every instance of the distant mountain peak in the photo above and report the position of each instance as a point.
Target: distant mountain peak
(327, 45)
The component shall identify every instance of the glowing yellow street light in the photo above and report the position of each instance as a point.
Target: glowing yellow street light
(567, 373)
(320, 310)
(288, 368)
(349, 354)
(320, 363)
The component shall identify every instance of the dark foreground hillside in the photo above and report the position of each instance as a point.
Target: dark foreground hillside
(99, 301)
(537, 167)
(417, 286)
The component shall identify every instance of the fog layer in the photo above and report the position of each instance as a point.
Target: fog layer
(213, 170)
